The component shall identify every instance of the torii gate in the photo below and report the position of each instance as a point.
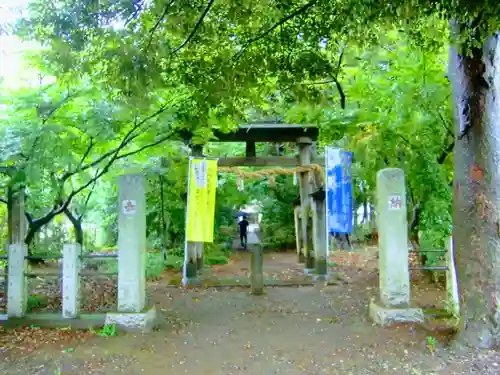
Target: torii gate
(310, 225)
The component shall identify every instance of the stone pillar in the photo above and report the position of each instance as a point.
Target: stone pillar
(451, 280)
(305, 185)
(257, 264)
(319, 237)
(257, 269)
(394, 275)
(132, 244)
(17, 297)
(71, 281)
(298, 234)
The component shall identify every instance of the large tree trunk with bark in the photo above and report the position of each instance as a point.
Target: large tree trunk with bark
(476, 222)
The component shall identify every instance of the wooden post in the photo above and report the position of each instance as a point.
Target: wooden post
(197, 151)
(298, 234)
(193, 251)
(250, 150)
(305, 184)
(319, 236)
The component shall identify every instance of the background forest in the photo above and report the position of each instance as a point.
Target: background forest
(67, 133)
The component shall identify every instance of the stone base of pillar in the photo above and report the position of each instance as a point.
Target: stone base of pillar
(387, 316)
(132, 322)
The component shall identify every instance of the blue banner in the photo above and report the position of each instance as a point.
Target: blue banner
(339, 205)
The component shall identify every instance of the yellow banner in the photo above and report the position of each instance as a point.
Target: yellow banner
(201, 200)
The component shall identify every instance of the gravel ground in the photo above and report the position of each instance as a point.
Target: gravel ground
(294, 331)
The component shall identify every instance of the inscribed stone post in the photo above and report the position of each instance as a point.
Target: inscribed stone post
(393, 238)
(18, 291)
(71, 281)
(305, 185)
(132, 244)
(393, 307)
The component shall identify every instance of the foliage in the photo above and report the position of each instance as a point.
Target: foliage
(36, 301)
(277, 226)
(108, 330)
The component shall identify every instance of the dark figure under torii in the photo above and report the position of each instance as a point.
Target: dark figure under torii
(243, 224)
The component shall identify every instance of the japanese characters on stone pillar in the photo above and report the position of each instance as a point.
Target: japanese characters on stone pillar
(393, 238)
(394, 276)
(131, 243)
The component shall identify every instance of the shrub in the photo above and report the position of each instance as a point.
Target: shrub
(36, 301)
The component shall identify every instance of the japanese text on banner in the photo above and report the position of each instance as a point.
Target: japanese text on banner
(339, 191)
(201, 200)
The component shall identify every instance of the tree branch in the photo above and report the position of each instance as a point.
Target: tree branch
(284, 20)
(129, 137)
(446, 152)
(335, 79)
(198, 24)
(149, 145)
(157, 24)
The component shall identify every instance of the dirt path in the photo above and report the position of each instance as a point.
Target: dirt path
(295, 331)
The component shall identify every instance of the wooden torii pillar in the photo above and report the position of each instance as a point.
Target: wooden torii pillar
(297, 216)
(193, 258)
(306, 189)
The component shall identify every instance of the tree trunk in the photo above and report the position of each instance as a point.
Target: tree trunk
(77, 226)
(476, 225)
(34, 227)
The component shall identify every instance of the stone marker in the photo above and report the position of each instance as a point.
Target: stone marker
(71, 281)
(394, 276)
(17, 297)
(257, 264)
(132, 313)
(132, 244)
